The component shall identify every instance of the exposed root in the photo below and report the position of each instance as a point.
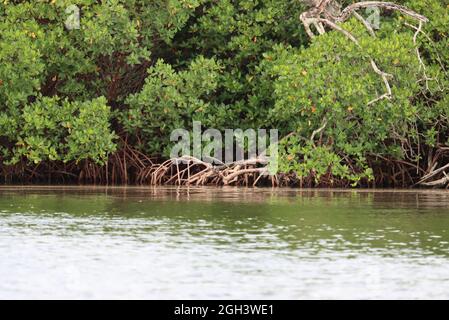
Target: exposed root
(437, 183)
(188, 170)
(433, 172)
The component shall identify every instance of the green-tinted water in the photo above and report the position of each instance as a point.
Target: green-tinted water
(222, 243)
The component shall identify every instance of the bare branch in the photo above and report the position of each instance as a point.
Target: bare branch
(315, 132)
(346, 13)
(365, 23)
(376, 69)
(327, 12)
(433, 173)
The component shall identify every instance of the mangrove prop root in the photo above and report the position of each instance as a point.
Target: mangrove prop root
(188, 170)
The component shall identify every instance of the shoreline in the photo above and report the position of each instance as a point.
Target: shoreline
(37, 187)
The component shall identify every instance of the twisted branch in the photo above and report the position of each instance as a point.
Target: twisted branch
(327, 12)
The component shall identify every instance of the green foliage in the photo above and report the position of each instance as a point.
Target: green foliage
(169, 100)
(304, 159)
(317, 85)
(50, 129)
(238, 32)
(136, 69)
(50, 75)
(332, 82)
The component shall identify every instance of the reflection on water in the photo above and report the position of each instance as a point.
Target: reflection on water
(70, 242)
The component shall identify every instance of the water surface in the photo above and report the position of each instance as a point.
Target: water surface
(222, 243)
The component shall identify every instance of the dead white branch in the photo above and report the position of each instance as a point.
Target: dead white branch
(328, 13)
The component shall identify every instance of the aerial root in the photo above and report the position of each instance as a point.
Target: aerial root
(191, 171)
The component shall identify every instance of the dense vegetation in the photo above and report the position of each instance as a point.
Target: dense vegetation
(98, 103)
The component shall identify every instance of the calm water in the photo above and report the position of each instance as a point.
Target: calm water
(209, 243)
